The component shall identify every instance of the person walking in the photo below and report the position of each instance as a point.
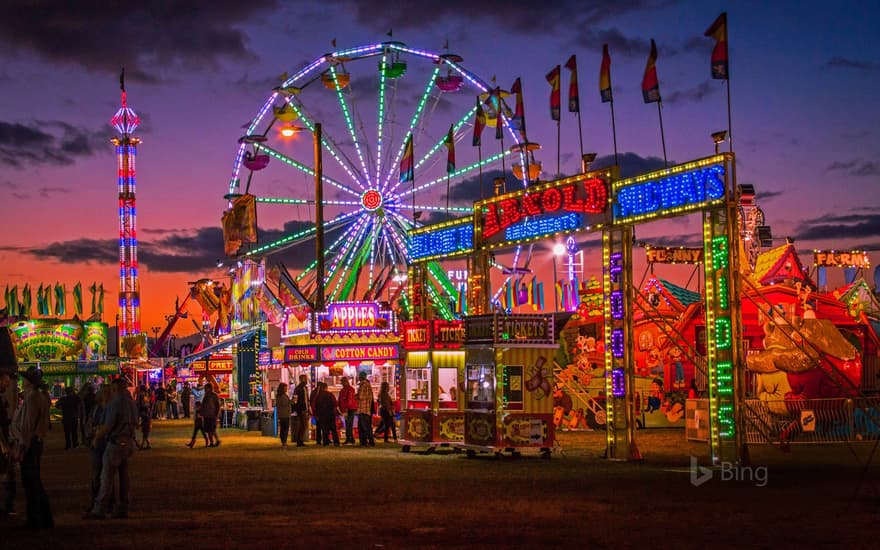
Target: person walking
(120, 419)
(145, 417)
(326, 410)
(71, 408)
(97, 448)
(301, 409)
(386, 410)
(88, 395)
(185, 396)
(282, 412)
(365, 411)
(348, 405)
(210, 414)
(198, 426)
(29, 426)
(313, 401)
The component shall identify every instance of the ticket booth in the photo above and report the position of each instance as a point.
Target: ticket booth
(508, 401)
(432, 388)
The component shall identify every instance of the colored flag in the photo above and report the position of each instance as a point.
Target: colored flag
(93, 289)
(77, 299)
(479, 124)
(40, 300)
(25, 309)
(605, 76)
(718, 31)
(12, 302)
(60, 299)
(47, 299)
(499, 119)
(650, 85)
(101, 299)
(553, 79)
(519, 118)
(574, 104)
(333, 42)
(450, 151)
(406, 163)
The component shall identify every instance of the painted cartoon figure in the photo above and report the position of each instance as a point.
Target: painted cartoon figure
(655, 396)
(674, 355)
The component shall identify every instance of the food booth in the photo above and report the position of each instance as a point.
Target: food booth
(508, 391)
(432, 388)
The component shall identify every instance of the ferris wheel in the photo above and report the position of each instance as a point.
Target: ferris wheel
(396, 134)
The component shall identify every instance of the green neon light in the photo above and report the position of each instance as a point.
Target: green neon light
(723, 333)
(289, 238)
(719, 252)
(457, 173)
(461, 122)
(381, 123)
(350, 124)
(437, 272)
(723, 302)
(302, 167)
(412, 125)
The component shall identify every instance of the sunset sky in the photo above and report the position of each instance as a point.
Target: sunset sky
(804, 80)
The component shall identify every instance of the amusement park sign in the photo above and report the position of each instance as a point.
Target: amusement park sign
(832, 258)
(356, 317)
(670, 192)
(559, 207)
(668, 255)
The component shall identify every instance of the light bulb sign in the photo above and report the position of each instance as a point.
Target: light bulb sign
(449, 239)
(355, 317)
(670, 192)
(556, 208)
(833, 258)
(669, 255)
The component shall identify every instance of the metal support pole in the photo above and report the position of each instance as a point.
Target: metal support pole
(319, 221)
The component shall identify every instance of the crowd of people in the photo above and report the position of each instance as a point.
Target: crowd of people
(295, 411)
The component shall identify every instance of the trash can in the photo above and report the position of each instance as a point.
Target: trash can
(268, 423)
(253, 421)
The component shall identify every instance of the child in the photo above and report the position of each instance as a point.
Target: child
(198, 426)
(146, 425)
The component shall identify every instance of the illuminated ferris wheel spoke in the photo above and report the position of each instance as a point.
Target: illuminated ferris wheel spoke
(307, 276)
(373, 249)
(455, 128)
(326, 140)
(412, 124)
(457, 173)
(440, 276)
(349, 255)
(419, 207)
(350, 123)
(380, 121)
(303, 168)
(290, 240)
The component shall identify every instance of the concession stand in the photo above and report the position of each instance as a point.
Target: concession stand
(508, 383)
(432, 388)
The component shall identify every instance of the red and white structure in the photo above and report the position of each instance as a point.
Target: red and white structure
(126, 121)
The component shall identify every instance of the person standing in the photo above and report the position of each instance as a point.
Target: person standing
(185, 395)
(210, 414)
(161, 403)
(198, 426)
(301, 409)
(97, 448)
(6, 464)
(120, 419)
(348, 405)
(71, 407)
(282, 412)
(29, 426)
(365, 411)
(326, 410)
(171, 395)
(88, 396)
(386, 410)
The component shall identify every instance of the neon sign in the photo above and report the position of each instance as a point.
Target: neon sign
(590, 196)
(357, 317)
(668, 255)
(300, 354)
(443, 240)
(669, 192)
(417, 335)
(345, 353)
(448, 334)
(832, 258)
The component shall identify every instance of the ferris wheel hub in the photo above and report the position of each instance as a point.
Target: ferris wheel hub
(371, 200)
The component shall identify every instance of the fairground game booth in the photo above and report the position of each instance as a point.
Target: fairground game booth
(69, 352)
(508, 393)
(432, 390)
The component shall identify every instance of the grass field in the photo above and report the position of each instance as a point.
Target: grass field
(249, 493)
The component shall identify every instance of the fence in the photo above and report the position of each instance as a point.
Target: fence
(812, 421)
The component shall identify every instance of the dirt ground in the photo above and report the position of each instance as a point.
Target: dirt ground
(249, 493)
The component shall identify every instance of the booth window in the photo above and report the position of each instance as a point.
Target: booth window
(481, 387)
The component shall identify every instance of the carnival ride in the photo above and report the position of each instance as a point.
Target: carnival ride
(385, 111)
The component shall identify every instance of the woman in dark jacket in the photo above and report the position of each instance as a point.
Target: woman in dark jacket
(326, 410)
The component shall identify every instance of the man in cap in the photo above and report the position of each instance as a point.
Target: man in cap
(29, 427)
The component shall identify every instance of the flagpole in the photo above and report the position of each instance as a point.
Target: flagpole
(614, 131)
(580, 133)
(447, 191)
(558, 140)
(480, 164)
(662, 135)
(729, 130)
(500, 120)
